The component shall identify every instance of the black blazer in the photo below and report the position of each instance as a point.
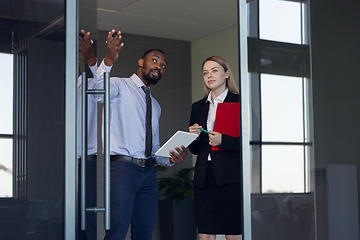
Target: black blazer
(226, 164)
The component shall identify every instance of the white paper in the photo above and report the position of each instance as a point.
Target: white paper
(178, 139)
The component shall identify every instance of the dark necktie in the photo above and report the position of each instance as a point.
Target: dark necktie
(148, 139)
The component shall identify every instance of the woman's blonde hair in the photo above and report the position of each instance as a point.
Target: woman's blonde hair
(230, 82)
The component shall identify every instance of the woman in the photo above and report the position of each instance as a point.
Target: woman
(217, 173)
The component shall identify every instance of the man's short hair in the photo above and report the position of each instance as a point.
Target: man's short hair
(151, 50)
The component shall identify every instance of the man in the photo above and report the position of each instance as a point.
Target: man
(133, 183)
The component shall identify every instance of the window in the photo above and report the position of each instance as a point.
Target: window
(281, 108)
(280, 21)
(6, 125)
(279, 83)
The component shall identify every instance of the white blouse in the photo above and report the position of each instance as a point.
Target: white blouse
(212, 111)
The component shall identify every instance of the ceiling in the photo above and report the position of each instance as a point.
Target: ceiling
(185, 20)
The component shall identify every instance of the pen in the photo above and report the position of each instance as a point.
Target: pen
(204, 130)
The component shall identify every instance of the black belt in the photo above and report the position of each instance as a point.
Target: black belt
(90, 158)
(141, 162)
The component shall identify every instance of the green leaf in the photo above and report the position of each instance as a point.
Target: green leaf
(160, 168)
(177, 187)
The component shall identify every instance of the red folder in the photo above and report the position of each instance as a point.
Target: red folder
(227, 120)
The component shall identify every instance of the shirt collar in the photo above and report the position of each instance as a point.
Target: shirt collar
(137, 81)
(220, 98)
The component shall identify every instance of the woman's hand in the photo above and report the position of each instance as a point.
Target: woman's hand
(215, 138)
(195, 129)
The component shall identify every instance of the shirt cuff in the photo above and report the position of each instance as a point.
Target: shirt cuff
(102, 69)
(167, 162)
(170, 163)
(94, 69)
(105, 68)
(164, 161)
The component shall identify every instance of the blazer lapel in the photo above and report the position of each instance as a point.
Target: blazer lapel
(230, 97)
(203, 114)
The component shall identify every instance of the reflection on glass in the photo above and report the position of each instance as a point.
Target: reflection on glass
(283, 216)
(6, 168)
(34, 32)
(282, 169)
(282, 199)
(282, 108)
(280, 21)
(6, 93)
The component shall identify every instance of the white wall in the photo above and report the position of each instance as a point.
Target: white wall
(223, 44)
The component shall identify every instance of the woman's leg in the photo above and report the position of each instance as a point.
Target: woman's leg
(233, 237)
(207, 236)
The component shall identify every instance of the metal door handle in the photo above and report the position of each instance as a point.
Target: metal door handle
(83, 148)
(106, 208)
(107, 150)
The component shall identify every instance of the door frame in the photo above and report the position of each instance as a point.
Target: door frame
(71, 50)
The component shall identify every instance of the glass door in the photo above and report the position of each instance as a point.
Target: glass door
(281, 191)
(33, 119)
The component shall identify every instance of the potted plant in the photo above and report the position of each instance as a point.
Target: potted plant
(176, 211)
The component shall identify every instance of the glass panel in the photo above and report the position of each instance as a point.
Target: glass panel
(32, 31)
(283, 216)
(282, 108)
(282, 169)
(280, 21)
(6, 168)
(282, 198)
(256, 169)
(6, 93)
(307, 109)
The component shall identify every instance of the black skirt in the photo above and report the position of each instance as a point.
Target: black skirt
(218, 208)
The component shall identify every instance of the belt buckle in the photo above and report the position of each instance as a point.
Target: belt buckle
(141, 162)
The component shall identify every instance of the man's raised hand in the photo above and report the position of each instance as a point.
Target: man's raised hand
(86, 48)
(113, 47)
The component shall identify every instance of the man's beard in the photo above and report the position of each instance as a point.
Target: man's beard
(150, 79)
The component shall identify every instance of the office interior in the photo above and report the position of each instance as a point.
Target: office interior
(41, 142)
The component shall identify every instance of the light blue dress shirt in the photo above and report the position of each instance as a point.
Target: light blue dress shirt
(92, 115)
(127, 116)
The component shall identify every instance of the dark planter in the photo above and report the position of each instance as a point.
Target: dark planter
(177, 221)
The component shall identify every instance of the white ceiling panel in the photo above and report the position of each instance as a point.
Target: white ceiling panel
(150, 33)
(194, 29)
(186, 37)
(101, 14)
(191, 15)
(161, 25)
(126, 20)
(185, 20)
(115, 5)
(109, 27)
(194, 34)
(224, 21)
(222, 6)
(179, 3)
(150, 9)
